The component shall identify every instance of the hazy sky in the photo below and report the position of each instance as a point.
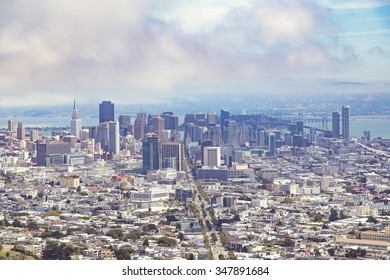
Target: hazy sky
(155, 51)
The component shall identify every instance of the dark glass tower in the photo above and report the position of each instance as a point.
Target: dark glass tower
(151, 153)
(106, 112)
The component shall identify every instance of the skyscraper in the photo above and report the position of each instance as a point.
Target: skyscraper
(212, 156)
(106, 112)
(47, 149)
(20, 132)
(260, 137)
(335, 124)
(172, 155)
(345, 121)
(139, 128)
(232, 133)
(151, 152)
(113, 138)
(272, 144)
(75, 123)
(124, 124)
(225, 115)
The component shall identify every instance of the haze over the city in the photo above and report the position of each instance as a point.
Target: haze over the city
(135, 52)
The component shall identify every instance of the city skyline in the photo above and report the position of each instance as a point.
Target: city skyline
(224, 48)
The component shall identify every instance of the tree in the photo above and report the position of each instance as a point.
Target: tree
(288, 242)
(331, 252)
(180, 235)
(221, 257)
(334, 216)
(146, 243)
(115, 233)
(32, 226)
(124, 253)
(191, 256)
(57, 251)
(17, 223)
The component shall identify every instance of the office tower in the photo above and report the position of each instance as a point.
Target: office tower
(93, 132)
(166, 135)
(151, 152)
(194, 132)
(171, 122)
(124, 124)
(113, 138)
(157, 124)
(243, 134)
(172, 155)
(46, 150)
(189, 118)
(106, 112)
(102, 136)
(335, 124)
(75, 123)
(139, 128)
(142, 116)
(200, 117)
(272, 144)
(12, 125)
(212, 118)
(232, 133)
(21, 131)
(34, 135)
(216, 136)
(345, 121)
(299, 127)
(225, 115)
(212, 156)
(260, 137)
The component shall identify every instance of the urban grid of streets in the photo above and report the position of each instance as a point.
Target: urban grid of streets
(236, 187)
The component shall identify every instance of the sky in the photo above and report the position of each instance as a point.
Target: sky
(143, 51)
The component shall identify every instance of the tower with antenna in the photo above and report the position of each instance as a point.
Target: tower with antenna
(75, 123)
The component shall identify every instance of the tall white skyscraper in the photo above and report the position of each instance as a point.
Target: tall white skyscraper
(113, 137)
(75, 123)
(212, 156)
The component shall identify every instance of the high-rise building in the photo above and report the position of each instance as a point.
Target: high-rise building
(151, 152)
(124, 124)
(102, 136)
(75, 123)
(260, 137)
(299, 125)
(172, 155)
(272, 144)
(335, 124)
(158, 125)
(225, 116)
(232, 133)
(113, 138)
(212, 118)
(12, 125)
(171, 122)
(345, 121)
(48, 149)
(21, 132)
(212, 156)
(139, 128)
(106, 112)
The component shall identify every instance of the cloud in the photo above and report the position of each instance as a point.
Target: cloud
(152, 51)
